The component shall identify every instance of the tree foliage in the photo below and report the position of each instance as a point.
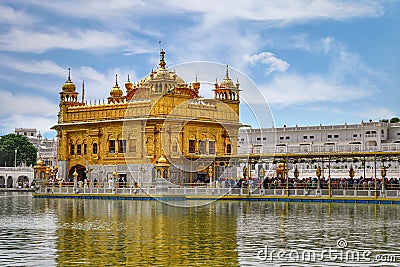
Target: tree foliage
(394, 120)
(26, 152)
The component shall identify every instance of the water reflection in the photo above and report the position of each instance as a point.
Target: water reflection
(299, 227)
(75, 232)
(144, 233)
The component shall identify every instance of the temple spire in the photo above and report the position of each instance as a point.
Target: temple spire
(162, 62)
(69, 74)
(83, 91)
(116, 80)
(227, 73)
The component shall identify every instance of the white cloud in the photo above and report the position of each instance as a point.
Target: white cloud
(291, 89)
(25, 104)
(282, 12)
(268, 10)
(269, 59)
(11, 16)
(34, 66)
(18, 40)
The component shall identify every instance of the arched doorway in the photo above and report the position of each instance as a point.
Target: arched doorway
(23, 181)
(9, 182)
(2, 181)
(80, 169)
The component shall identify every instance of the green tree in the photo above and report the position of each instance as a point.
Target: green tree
(394, 120)
(26, 152)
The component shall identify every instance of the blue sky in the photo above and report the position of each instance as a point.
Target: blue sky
(315, 62)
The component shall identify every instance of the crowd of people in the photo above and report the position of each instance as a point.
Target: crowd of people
(361, 183)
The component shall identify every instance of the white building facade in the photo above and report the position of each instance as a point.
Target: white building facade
(47, 148)
(366, 136)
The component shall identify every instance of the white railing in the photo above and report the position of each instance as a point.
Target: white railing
(153, 192)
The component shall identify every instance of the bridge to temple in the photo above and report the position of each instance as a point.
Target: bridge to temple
(15, 177)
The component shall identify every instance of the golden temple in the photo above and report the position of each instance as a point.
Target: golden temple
(158, 121)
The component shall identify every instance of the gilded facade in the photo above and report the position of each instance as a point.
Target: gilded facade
(159, 117)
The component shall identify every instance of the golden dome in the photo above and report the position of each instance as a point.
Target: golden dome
(162, 160)
(40, 162)
(69, 86)
(162, 74)
(227, 82)
(116, 91)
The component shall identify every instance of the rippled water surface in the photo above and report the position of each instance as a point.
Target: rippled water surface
(74, 232)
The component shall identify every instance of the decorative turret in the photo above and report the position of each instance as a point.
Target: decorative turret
(68, 92)
(68, 86)
(226, 90)
(196, 86)
(128, 85)
(116, 93)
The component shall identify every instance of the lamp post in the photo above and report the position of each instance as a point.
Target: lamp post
(75, 174)
(210, 173)
(318, 173)
(15, 158)
(286, 174)
(383, 174)
(114, 174)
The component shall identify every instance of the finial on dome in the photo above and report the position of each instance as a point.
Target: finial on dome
(128, 78)
(196, 78)
(116, 80)
(227, 73)
(162, 62)
(69, 74)
(69, 86)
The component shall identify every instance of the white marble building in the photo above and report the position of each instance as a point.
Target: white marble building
(47, 148)
(366, 136)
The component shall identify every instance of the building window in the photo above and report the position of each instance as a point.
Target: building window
(264, 138)
(355, 135)
(281, 138)
(211, 147)
(111, 146)
(72, 150)
(121, 146)
(94, 148)
(336, 136)
(329, 136)
(84, 149)
(258, 138)
(202, 147)
(287, 137)
(192, 146)
(79, 149)
(311, 136)
(228, 149)
(132, 146)
(304, 136)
